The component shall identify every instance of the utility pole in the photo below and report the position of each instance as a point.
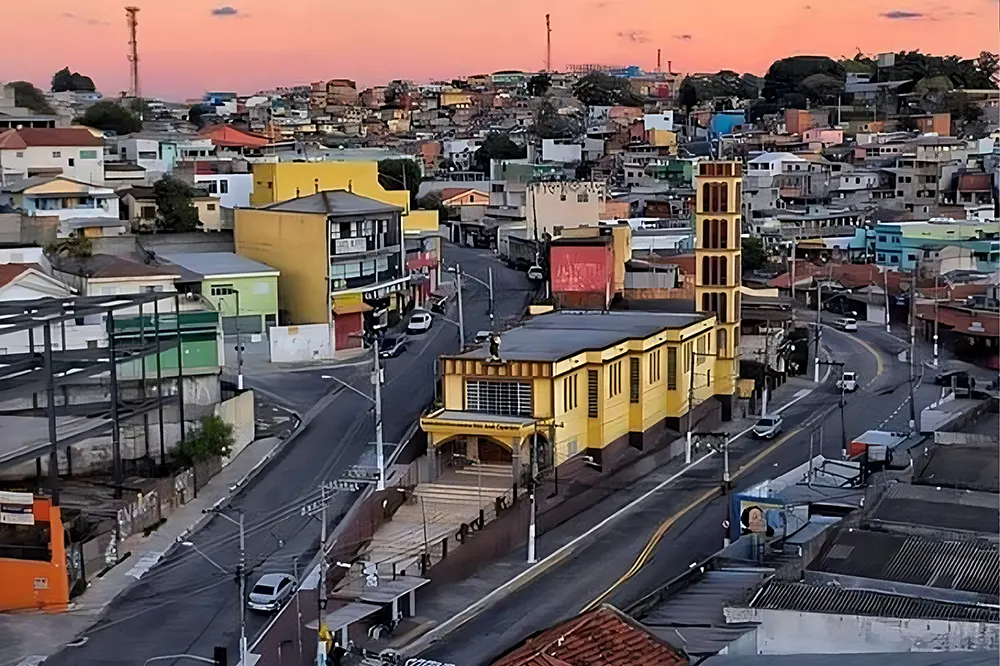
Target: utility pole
(379, 454)
(812, 445)
(767, 364)
(841, 404)
(913, 340)
(243, 592)
(726, 478)
(885, 287)
(461, 317)
(819, 313)
(937, 272)
(531, 498)
(690, 414)
(492, 305)
(548, 44)
(792, 283)
(321, 592)
(298, 609)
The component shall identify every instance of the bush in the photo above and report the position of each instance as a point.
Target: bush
(213, 439)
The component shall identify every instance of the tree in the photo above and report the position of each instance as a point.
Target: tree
(175, 210)
(785, 76)
(395, 172)
(497, 146)
(27, 96)
(64, 80)
(396, 92)
(821, 88)
(196, 113)
(687, 94)
(214, 438)
(539, 84)
(110, 116)
(75, 245)
(433, 202)
(550, 124)
(754, 256)
(600, 89)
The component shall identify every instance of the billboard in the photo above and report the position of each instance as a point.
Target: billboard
(576, 268)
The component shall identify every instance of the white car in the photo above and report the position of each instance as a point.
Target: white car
(420, 322)
(536, 273)
(271, 591)
(847, 324)
(848, 382)
(767, 427)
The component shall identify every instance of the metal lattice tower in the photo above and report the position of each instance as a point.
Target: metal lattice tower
(133, 56)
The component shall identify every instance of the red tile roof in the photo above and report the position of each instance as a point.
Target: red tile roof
(10, 272)
(452, 192)
(982, 323)
(602, 637)
(230, 137)
(59, 136)
(10, 140)
(852, 276)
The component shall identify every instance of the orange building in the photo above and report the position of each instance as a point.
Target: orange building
(32, 554)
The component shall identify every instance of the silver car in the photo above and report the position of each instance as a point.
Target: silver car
(271, 591)
(768, 427)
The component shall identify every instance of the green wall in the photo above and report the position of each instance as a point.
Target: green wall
(258, 295)
(200, 332)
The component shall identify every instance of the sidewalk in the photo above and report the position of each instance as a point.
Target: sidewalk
(29, 637)
(444, 610)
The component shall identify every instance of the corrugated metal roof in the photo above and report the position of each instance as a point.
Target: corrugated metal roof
(932, 508)
(693, 618)
(832, 599)
(971, 565)
(863, 659)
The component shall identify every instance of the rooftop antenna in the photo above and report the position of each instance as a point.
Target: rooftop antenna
(133, 56)
(548, 44)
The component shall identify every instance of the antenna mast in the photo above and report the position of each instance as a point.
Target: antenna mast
(133, 56)
(548, 44)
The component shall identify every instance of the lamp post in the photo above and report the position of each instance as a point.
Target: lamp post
(457, 269)
(376, 400)
(239, 341)
(690, 412)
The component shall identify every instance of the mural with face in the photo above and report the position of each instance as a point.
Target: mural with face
(753, 520)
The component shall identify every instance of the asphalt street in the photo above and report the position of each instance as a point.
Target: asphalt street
(185, 604)
(696, 511)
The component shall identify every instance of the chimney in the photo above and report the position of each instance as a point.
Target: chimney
(316, 184)
(658, 60)
(296, 193)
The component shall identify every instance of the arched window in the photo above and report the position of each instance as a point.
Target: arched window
(706, 196)
(724, 197)
(723, 234)
(722, 339)
(706, 231)
(715, 234)
(723, 271)
(722, 311)
(705, 303)
(705, 270)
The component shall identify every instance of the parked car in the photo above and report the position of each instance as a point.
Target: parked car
(536, 273)
(847, 324)
(438, 305)
(768, 427)
(482, 336)
(420, 322)
(961, 378)
(848, 382)
(271, 591)
(391, 347)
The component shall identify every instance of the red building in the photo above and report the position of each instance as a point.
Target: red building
(583, 271)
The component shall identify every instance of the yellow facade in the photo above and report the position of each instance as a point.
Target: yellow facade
(281, 181)
(588, 400)
(297, 244)
(718, 227)
(663, 139)
(454, 98)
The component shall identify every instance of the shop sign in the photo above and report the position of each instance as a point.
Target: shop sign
(490, 427)
(16, 508)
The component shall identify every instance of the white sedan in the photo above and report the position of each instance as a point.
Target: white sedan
(420, 322)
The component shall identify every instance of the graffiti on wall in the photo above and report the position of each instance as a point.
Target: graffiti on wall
(759, 518)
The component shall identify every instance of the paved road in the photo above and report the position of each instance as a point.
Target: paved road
(562, 593)
(184, 604)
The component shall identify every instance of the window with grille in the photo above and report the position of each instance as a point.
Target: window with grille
(633, 379)
(592, 393)
(654, 366)
(671, 369)
(502, 398)
(614, 379)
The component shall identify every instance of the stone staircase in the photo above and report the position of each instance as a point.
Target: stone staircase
(436, 511)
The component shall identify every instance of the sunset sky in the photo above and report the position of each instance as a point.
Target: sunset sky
(189, 46)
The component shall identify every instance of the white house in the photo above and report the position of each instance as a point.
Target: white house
(231, 189)
(658, 121)
(74, 152)
(762, 169)
(62, 197)
(104, 274)
(562, 151)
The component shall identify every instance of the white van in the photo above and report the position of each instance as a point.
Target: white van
(848, 382)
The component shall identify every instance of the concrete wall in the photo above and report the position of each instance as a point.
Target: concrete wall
(794, 632)
(238, 412)
(299, 344)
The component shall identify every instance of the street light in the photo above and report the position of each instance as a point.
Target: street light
(457, 270)
(377, 402)
(229, 291)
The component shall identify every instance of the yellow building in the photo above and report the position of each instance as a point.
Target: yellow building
(281, 181)
(718, 266)
(591, 383)
(340, 255)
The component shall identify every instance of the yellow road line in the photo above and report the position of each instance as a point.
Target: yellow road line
(661, 531)
(879, 363)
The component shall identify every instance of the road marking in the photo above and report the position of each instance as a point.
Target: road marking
(661, 531)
